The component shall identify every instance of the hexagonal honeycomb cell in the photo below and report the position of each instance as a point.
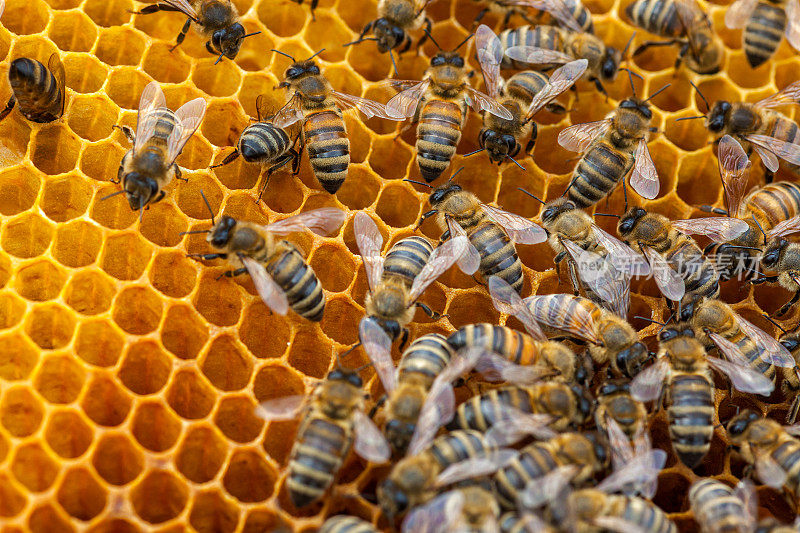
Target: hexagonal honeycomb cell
(129, 372)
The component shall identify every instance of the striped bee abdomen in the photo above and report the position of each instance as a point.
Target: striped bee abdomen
(716, 507)
(427, 356)
(406, 258)
(35, 89)
(533, 462)
(786, 130)
(773, 203)
(457, 446)
(328, 148)
(525, 85)
(581, 15)
(498, 255)
(263, 142)
(644, 514)
(699, 274)
(347, 524)
(763, 32)
(483, 411)
(659, 17)
(598, 173)
(438, 133)
(548, 37)
(510, 344)
(787, 455)
(303, 290)
(691, 417)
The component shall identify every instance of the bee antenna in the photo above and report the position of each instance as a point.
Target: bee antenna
(658, 92)
(219, 58)
(428, 185)
(208, 205)
(474, 152)
(250, 34)
(743, 247)
(651, 320)
(391, 56)
(141, 209)
(700, 94)
(428, 33)
(462, 43)
(607, 215)
(341, 356)
(123, 191)
(455, 174)
(571, 183)
(531, 195)
(689, 118)
(284, 54)
(515, 162)
(315, 54)
(772, 321)
(361, 40)
(631, 74)
(764, 233)
(627, 45)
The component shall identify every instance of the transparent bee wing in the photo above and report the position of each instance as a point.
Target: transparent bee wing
(436, 515)
(442, 258)
(490, 55)
(792, 430)
(190, 116)
(623, 257)
(481, 465)
(562, 79)
(546, 489)
(288, 114)
(578, 137)
(739, 13)
(370, 108)
(508, 301)
(769, 471)
(378, 347)
(576, 318)
(669, 282)
(734, 167)
(646, 386)
(742, 377)
(788, 95)
(617, 524)
(482, 102)
(597, 273)
(323, 221)
(369, 241)
(537, 56)
(151, 100)
(644, 177)
(692, 17)
(494, 367)
(718, 229)
(621, 448)
(519, 229)
(514, 425)
(56, 68)
(470, 261)
(269, 291)
(787, 151)
(184, 6)
(285, 408)
(638, 471)
(793, 23)
(419, 5)
(746, 493)
(770, 349)
(769, 159)
(559, 11)
(404, 104)
(370, 442)
(785, 227)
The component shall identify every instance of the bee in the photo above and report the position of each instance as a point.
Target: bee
(279, 272)
(783, 258)
(523, 95)
(764, 22)
(347, 524)
(470, 508)
(311, 98)
(572, 11)
(524, 522)
(333, 420)
(398, 280)
(439, 104)
(769, 447)
(620, 413)
(39, 90)
(685, 24)
(265, 144)
(160, 136)
(684, 367)
(770, 525)
(492, 232)
(790, 386)
(719, 508)
(216, 20)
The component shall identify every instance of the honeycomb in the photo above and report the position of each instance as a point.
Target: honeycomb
(129, 373)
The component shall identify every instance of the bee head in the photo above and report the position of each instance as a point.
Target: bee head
(614, 386)
(773, 253)
(639, 106)
(352, 378)
(399, 433)
(447, 58)
(302, 68)
(139, 190)
(628, 222)
(440, 194)
(718, 116)
(584, 400)
(556, 208)
(388, 35)
(610, 64)
(228, 40)
(739, 423)
(393, 498)
(498, 145)
(631, 360)
(599, 447)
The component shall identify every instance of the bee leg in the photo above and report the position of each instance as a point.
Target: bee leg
(404, 339)
(161, 195)
(788, 305)
(599, 85)
(182, 34)
(155, 8)
(430, 312)
(208, 257)
(426, 215)
(573, 278)
(425, 34)
(127, 131)
(791, 416)
(509, 14)
(479, 17)
(179, 174)
(9, 106)
(768, 175)
(532, 140)
(313, 9)
(478, 280)
(678, 60)
(378, 405)
(228, 159)
(648, 44)
(231, 273)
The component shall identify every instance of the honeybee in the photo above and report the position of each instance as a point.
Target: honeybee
(398, 280)
(791, 376)
(265, 144)
(333, 420)
(764, 23)
(770, 525)
(523, 95)
(38, 89)
(160, 136)
(572, 12)
(279, 272)
(439, 104)
(719, 508)
(217, 20)
(686, 25)
(311, 98)
(783, 258)
(684, 367)
(347, 524)
(492, 232)
(472, 509)
(769, 447)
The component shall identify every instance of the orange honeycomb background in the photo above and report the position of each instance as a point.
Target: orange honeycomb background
(129, 373)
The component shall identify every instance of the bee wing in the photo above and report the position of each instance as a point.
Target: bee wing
(644, 177)
(788, 95)
(370, 242)
(734, 167)
(470, 261)
(600, 276)
(669, 282)
(513, 425)
(285, 408)
(792, 430)
(785, 227)
(547, 488)
(639, 471)
(370, 108)
(190, 116)
(739, 13)
(621, 448)
(378, 347)
(647, 384)
(152, 100)
(490, 55)
(718, 229)
(481, 465)
(436, 515)
(494, 367)
(370, 442)
(577, 321)
(623, 257)
(419, 5)
(184, 7)
(537, 56)
(558, 9)
(288, 114)
(793, 23)
(769, 471)
(745, 491)
(508, 301)
(482, 102)
(323, 221)
(787, 151)
(269, 291)
(562, 79)
(742, 377)
(578, 137)
(770, 349)
(519, 229)
(769, 159)
(404, 104)
(56, 68)
(442, 258)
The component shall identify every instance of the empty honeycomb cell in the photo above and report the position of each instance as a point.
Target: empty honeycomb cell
(398, 206)
(113, 212)
(125, 86)
(19, 187)
(160, 496)
(81, 495)
(252, 56)
(334, 269)
(745, 76)
(155, 427)
(276, 381)
(23, 18)
(125, 256)
(72, 31)
(190, 395)
(359, 189)
(46, 519)
(120, 46)
(12, 309)
(340, 321)
(366, 62)
(263, 520)
(16, 136)
(716, 89)
(249, 478)
(282, 19)
(255, 84)
(50, 326)
(191, 202)
(183, 332)
(84, 73)
(18, 356)
(309, 353)
(68, 434)
(33, 467)
(201, 454)
(98, 343)
(221, 79)
(676, 98)
(39, 281)
(27, 236)
(240, 174)
(145, 368)
(223, 123)
(109, 13)
(468, 307)
(137, 310)
(105, 402)
(173, 274)
(688, 135)
(258, 319)
(225, 365)
(77, 244)
(101, 162)
(91, 116)
(116, 459)
(65, 198)
(55, 149)
(89, 292)
(33, 47)
(699, 178)
(113, 525)
(212, 513)
(196, 154)
(163, 66)
(60, 379)
(331, 39)
(12, 500)
(162, 224)
(389, 157)
(236, 418)
(21, 412)
(215, 300)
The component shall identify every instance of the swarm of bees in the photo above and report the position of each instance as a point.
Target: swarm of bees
(490, 427)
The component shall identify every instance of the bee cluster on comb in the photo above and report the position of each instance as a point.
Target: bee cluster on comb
(267, 266)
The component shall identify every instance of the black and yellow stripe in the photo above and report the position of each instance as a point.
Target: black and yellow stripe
(533, 462)
(406, 259)
(547, 37)
(525, 85)
(581, 15)
(347, 524)
(716, 508)
(598, 172)
(699, 275)
(498, 254)
(426, 357)
(659, 17)
(778, 126)
(773, 203)
(509, 343)
(263, 142)
(763, 32)
(787, 455)
(642, 513)
(691, 416)
(328, 148)
(438, 133)
(299, 282)
(36, 91)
